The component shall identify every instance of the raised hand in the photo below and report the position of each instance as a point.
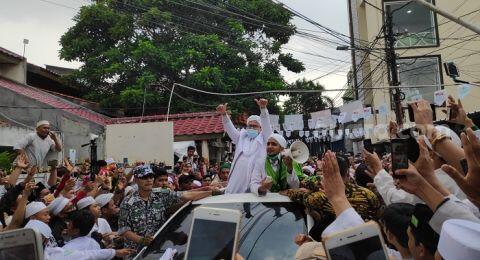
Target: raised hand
(469, 183)
(412, 181)
(29, 186)
(393, 129)
(457, 113)
(332, 181)
(67, 164)
(22, 161)
(423, 115)
(31, 173)
(374, 165)
(262, 103)
(222, 109)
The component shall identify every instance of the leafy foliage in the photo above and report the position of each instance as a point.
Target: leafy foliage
(223, 46)
(305, 103)
(6, 159)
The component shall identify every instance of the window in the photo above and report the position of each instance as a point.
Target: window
(416, 24)
(421, 71)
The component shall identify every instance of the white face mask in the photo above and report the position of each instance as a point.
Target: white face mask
(252, 133)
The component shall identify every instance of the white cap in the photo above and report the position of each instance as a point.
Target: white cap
(42, 122)
(308, 168)
(85, 202)
(57, 205)
(40, 227)
(254, 118)
(459, 239)
(280, 140)
(197, 183)
(33, 208)
(104, 199)
(109, 161)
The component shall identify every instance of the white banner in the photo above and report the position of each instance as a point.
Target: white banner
(295, 121)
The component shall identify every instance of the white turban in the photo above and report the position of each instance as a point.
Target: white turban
(33, 208)
(280, 140)
(40, 227)
(459, 240)
(104, 199)
(254, 118)
(43, 122)
(85, 202)
(109, 161)
(57, 205)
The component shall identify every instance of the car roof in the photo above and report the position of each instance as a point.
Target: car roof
(243, 197)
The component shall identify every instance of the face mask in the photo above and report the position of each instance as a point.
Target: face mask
(252, 133)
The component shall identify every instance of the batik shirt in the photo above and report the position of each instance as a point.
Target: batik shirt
(363, 200)
(144, 218)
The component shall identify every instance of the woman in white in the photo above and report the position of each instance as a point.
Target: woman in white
(250, 144)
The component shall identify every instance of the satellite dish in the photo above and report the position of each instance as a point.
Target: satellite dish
(298, 152)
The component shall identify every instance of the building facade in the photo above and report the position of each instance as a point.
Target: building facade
(424, 41)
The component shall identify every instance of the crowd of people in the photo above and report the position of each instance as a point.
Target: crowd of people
(423, 210)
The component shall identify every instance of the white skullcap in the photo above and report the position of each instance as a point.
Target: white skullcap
(110, 160)
(104, 199)
(40, 227)
(459, 239)
(57, 205)
(308, 168)
(280, 140)
(197, 183)
(85, 202)
(254, 118)
(128, 189)
(43, 122)
(33, 208)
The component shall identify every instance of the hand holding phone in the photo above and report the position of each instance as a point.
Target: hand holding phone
(399, 148)
(367, 145)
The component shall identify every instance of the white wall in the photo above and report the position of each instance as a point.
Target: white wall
(10, 135)
(140, 142)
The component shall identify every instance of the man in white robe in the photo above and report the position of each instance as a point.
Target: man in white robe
(250, 144)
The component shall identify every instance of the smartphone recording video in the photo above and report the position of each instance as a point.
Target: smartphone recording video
(399, 148)
(213, 234)
(359, 243)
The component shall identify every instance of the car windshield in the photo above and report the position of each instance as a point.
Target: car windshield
(267, 231)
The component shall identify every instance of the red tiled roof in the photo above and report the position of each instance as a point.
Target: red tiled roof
(183, 124)
(53, 101)
(11, 54)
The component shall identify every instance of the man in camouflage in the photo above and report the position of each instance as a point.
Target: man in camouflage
(144, 212)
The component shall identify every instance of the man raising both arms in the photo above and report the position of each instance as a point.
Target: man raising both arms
(250, 144)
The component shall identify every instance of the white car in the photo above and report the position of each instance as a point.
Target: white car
(268, 227)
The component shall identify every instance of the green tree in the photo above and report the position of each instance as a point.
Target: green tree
(305, 103)
(223, 46)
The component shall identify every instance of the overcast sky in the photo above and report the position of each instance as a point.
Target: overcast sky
(42, 23)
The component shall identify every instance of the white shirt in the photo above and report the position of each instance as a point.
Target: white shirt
(59, 253)
(101, 227)
(386, 188)
(260, 173)
(82, 243)
(36, 148)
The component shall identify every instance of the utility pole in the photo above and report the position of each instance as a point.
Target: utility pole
(391, 58)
